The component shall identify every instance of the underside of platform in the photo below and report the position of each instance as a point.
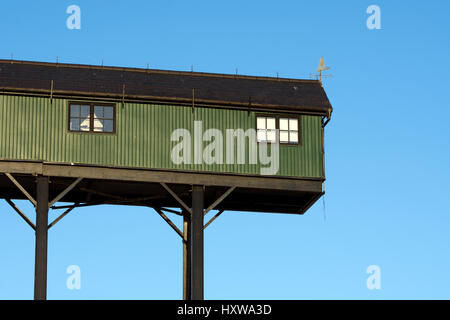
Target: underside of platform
(124, 186)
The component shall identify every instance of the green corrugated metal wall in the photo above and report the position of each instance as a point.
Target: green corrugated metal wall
(33, 129)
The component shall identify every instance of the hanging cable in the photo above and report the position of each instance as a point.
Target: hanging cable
(323, 204)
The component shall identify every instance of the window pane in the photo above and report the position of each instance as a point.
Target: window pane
(293, 137)
(284, 124)
(108, 126)
(74, 110)
(108, 112)
(260, 123)
(271, 135)
(261, 135)
(293, 124)
(75, 124)
(270, 123)
(98, 125)
(98, 112)
(284, 136)
(84, 126)
(85, 111)
(101, 125)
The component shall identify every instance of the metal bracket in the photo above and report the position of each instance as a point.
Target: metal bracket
(51, 92)
(193, 99)
(123, 95)
(325, 122)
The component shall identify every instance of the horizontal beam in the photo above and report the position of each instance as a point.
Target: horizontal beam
(165, 176)
(97, 203)
(172, 211)
(79, 205)
(103, 194)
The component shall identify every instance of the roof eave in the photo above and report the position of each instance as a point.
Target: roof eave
(324, 110)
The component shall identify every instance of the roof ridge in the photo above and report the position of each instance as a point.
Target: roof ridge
(157, 71)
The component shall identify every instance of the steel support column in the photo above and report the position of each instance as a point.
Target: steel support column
(197, 242)
(40, 267)
(186, 255)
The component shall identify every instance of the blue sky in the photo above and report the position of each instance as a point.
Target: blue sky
(387, 151)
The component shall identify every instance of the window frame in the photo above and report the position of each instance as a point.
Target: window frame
(256, 127)
(91, 116)
(277, 117)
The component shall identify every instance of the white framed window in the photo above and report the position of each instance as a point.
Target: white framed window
(266, 129)
(289, 130)
(281, 128)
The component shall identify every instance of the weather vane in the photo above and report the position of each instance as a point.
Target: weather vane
(318, 75)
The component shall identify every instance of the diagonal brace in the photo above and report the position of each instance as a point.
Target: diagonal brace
(66, 191)
(213, 218)
(174, 227)
(21, 214)
(21, 188)
(60, 217)
(220, 199)
(173, 194)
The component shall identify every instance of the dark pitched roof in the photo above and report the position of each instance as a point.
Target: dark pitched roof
(132, 84)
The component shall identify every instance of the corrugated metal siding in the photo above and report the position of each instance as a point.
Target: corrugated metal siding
(33, 129)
